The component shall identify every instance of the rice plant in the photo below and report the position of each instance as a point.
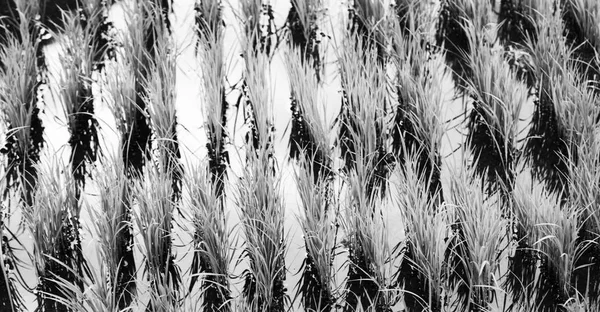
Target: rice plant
(308, 138)
(582, 29)
(303, 24)
(160, 102)
(420, 274)
(517, 21)
(310, 145)
(417, 127)
(550, 236)
(367, 19)
(211, 50)
(54, 224)
(262, 219)
(134, 119)
(452, 36)
(497, 98)
(475, 247)
(212, 250)
(115, 237)
(77, 96)
(369, 284)
(363, 129)
(208, 21)
(154, 218)
(19, 86)
(259, 26)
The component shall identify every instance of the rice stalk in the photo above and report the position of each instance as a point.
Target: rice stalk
(550, 231)
(155, 222)
(452, 36)
(212, 252)
(497, 98)
(363, 129)
(475, 246)
(211, 51)
(367, 19)
(517, 21)
(417, 127)
(53, 222)
(160, 97)
(369, 284)
(77, 96)
(114, 233)
(259, 28)
(19, 84)
(136, 140)
(422, 252)
(262, 219)
(309, 131)
(303, 24)
(413, 15)
(581, 19)
(546, 146)
(208, 22)
(318, 222)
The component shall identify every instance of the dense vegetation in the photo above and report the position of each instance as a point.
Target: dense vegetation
(391, 216)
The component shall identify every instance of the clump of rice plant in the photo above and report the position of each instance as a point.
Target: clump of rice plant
(367, 20)
(160, 102)
(303, 24)
(420, 272)
(154, 218)
(452, 36)
(369, 284)
(473, 256)
(211, 50)
(19, 84)
(212, 250)
(497, 98)
(114, 232)
(53, 222)
(517, 21)
(134, 117)
(546, 147)
(208, 20)
(582, 29)
(77, 97)
(417, 127)
(262, 219)
(362, 126)
(549, 234)
(308, 138)
(259, 27)
(317, 219)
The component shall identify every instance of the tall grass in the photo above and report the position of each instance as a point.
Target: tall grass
(497, 98)
(262, 220)
(212, 250)
(115, 237)
(53, 222)
(417, 128)
(582, 29)
(451, 34)
(303, 24)
(135, 117)
(77, 97)
(19, 84)
(420, 275)
(363, 130)
(367, 19)
(475, 247)
(211, 52)
(546, 145)
(550, 236)
(154, 218)
(208, 21)
(259, 28)
(160, 98)
(311, 147)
